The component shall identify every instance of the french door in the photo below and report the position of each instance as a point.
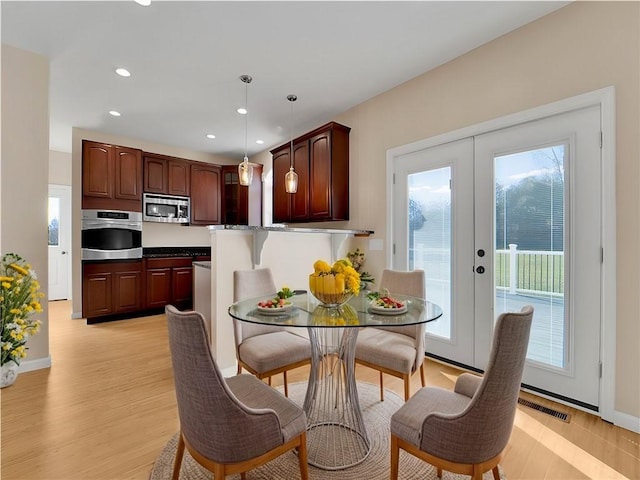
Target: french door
(505, 219)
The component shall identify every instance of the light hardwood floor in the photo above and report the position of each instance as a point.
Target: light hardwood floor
(106, 407)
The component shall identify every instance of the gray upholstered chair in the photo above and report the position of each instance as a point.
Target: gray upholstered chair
(397, 351)
(265, 350)
(466, 430)
(228, 425)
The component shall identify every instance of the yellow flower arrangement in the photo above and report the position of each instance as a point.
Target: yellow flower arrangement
(19, 301)
(334, 284)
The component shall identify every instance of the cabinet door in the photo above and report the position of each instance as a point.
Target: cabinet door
(320, 173)
(128, 174)
(97, 170)
(231, 192)
(281, 199)
(158, 287)
(178, 181)
(155, 175)
(127, 289)
(97, 293)
(182, 286)
(205, 194)
(300, 199)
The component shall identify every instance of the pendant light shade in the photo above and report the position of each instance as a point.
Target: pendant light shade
(291, 177)
(245, 170)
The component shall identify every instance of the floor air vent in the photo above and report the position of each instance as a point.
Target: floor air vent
(565, 417)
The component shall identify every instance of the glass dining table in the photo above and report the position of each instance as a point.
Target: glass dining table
(336, 434)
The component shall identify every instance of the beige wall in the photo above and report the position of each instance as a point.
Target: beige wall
(25, 153)
(580, 48)
(152, 235)
(59, 168)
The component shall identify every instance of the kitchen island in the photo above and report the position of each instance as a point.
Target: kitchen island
(288, 252)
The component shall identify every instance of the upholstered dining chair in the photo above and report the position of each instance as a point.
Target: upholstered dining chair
(397, 351)
(466, 430)
(230, 425)
(265, 350)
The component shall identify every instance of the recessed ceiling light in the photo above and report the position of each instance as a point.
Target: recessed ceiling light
(242, 111)
(114, 113)
(211, 135)
(144, 3)
(259, 142)
(123, 72)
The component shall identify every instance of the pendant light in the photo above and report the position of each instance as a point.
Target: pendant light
(245, 170)
(291, 177)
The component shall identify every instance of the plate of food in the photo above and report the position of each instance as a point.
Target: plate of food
(274, 309)
(387, 305)
(277, 305)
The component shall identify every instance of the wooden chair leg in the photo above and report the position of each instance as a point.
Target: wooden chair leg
(424, 384)
(496, 473)
(477, 472)
(439, 472)
(302, 457)
(381, 388)
(395, 458)
(407, 386)
(178, 460)
(269, 380)
(218, 470)
(286, 387)
(239, 369)
(243, 476)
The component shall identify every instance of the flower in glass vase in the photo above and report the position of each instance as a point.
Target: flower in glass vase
(19, 300)
(334, 284)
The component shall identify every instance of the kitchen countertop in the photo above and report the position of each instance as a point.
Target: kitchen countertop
(164, 252)
(282, 228)
(203, 264)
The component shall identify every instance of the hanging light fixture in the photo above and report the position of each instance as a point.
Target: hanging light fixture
(245, 170)
(291, 177)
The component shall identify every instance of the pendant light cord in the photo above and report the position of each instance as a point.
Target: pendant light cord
(246, 119)
(291, 98)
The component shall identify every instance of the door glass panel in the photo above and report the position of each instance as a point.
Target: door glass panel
(430, 239)
(529, 237)
(54, 221)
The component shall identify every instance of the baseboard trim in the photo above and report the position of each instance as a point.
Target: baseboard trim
(37, 364)
(626, 421)
(76, 315)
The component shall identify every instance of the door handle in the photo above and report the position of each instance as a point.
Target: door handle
(480, 269)
(63, 252)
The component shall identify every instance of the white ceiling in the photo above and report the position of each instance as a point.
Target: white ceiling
(186, 59)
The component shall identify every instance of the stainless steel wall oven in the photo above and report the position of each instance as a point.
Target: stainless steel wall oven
(111, 234)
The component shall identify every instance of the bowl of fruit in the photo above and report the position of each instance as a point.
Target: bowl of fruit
(278, 304)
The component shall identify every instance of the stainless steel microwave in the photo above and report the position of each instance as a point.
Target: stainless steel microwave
(165, 208)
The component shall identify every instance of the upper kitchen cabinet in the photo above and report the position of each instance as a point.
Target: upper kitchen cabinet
(321, 160)
(205, 194)
(166, 175)
(111, 177)
(241, 205)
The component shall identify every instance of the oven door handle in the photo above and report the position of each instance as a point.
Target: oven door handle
(100, 225)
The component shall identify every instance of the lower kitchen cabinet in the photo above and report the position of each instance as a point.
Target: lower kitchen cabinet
(169, 281)
(111, 288)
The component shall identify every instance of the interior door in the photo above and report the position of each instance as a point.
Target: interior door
(59, 242)
(504, 219)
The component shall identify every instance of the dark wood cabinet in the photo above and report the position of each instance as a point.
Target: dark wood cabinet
(110, 288)
(169, 281)
(241, 205)
(166, 175)
(321, 160)
(111, 177)
(205, 194)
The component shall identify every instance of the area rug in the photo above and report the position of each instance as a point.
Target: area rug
(376, 466)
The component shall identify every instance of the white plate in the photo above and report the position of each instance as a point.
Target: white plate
(275, 311)
(387, 311)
